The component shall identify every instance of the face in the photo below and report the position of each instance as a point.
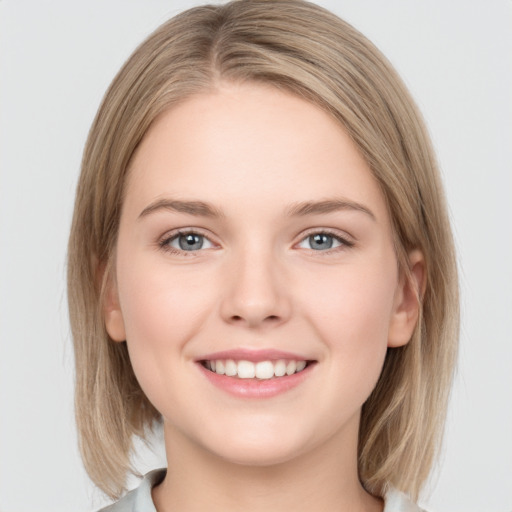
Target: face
(256, 282)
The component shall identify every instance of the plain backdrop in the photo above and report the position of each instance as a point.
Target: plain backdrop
(57, 58)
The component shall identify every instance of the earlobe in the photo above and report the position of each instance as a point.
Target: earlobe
(406, 310)
(114, 322)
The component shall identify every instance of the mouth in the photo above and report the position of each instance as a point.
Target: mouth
(261, 370)
(257, 374)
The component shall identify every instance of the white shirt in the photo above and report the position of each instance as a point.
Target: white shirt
(139, 500)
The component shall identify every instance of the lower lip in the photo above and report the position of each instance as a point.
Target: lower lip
(256, 388)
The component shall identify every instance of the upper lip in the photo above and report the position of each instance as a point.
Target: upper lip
(254, 356)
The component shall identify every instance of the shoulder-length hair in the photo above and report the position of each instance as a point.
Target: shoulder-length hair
(307, 51)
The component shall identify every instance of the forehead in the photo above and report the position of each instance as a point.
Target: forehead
(247, 144)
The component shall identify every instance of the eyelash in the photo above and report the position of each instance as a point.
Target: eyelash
(345, 243)
(164, 243)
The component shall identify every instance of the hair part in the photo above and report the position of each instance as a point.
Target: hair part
(301, 48)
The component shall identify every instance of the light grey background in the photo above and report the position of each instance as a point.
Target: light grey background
(57, 58)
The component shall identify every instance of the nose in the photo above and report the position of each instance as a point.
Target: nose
(255, 292)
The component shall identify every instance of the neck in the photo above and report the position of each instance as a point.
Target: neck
(323, 479)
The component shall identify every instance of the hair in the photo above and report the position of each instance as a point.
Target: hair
(307, 51)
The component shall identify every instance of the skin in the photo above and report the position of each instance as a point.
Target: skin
(255, 153)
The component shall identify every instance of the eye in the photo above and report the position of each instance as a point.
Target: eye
(323, 242)
(188, 242)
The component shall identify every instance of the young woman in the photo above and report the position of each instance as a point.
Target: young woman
(261, 261)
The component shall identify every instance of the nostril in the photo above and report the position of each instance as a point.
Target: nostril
(266, 319)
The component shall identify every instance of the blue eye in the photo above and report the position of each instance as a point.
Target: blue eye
(322, 242)
(189, 242)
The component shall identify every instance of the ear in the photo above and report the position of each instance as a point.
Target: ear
(407, 302)
(112, 314)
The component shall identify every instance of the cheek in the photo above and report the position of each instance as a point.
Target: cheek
(156, 297)
(353, 313)
(162, 310)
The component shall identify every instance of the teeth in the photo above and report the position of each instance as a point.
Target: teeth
(231, 369)
(264, 370)
(248, 370)
(291, 367)
(219, 367)
(279, 368)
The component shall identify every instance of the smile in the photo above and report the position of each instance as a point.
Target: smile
(262, 370)
(256, 374)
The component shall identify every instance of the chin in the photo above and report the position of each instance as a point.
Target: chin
(258, 456)
(259, 448)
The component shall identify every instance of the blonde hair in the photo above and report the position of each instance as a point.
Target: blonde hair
(303, 49)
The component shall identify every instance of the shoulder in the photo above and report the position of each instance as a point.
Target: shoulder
(139, 500)
(396, 501)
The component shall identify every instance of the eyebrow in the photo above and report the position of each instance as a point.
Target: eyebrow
(197, 208)
(301, 209)
(327, 206)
